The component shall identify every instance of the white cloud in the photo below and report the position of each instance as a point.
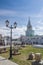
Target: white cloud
(38, 30)
(21, 30)
(39, 24)
(12, 13)
(4, 31)
(4, 12)
(16, 32)
(7, 12)
(41, 13)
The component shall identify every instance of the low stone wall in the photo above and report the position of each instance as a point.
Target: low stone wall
(38, 60)
(37, 56)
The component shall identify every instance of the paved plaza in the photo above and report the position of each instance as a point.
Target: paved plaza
(4, 61)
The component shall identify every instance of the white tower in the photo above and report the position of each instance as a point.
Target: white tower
(29, 31)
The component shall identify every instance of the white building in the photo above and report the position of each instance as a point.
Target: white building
(7, 40)
(1, 40)
(30, 38)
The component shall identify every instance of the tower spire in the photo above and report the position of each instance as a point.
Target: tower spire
(29, 21)
(29, 24)
(29, 31)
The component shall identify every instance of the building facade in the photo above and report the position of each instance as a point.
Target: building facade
(1, 40)
(30, 38)
(29, 31)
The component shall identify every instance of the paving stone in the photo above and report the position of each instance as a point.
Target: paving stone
(4, 61)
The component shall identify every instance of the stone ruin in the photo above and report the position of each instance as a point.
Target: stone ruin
(31, 56)
(38, 60)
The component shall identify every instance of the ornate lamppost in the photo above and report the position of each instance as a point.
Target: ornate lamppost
(11, 27)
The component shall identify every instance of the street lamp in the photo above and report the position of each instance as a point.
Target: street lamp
(11, 27)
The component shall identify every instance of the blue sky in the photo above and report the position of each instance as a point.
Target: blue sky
(20, 11)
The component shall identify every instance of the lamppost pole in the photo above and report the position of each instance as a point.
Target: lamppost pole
(11, 43)
(11, 27)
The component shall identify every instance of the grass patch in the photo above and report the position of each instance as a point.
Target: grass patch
(22, 58)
